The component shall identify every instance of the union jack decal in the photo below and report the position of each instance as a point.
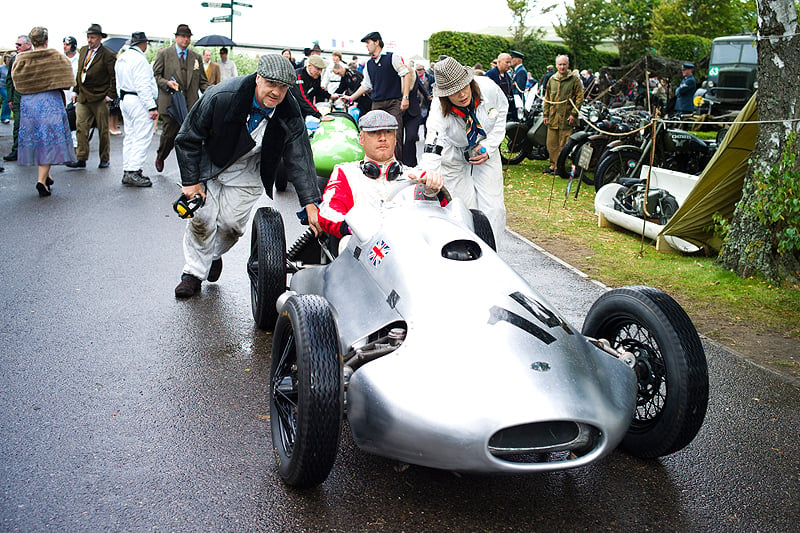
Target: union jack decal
(378, 252)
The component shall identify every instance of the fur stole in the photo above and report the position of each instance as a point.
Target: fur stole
(37, 71)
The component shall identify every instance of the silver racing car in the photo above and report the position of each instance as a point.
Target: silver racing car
(439, 354)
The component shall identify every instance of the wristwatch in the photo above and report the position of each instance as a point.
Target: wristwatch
(405, 97)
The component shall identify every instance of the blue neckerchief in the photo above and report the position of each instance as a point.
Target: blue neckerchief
(472, 126)
(257, 114)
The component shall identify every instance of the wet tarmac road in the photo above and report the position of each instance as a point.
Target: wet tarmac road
(122, 408)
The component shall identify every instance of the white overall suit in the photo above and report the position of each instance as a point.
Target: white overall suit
(478, 186)
(223, 218)
(135, 75)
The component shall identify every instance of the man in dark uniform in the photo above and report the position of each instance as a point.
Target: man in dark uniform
(501, 75)
(390, 80)
(520, 75)
(684, 94)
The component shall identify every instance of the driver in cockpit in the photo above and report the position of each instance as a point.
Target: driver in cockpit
(369, 180)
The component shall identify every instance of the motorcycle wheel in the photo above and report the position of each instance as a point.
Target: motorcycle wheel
(672, 390)
(614, 166)
(483, 228)
(513, 151)
(306, 391)
(668, 206)
(266, 266)
(566, 154)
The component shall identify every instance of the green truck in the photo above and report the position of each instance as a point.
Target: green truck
(732, 75)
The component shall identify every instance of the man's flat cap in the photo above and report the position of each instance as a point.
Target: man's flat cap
(377, 120)
(372, 36)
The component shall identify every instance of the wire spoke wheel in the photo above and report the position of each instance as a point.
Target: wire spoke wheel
(671, 368)
(306, 391)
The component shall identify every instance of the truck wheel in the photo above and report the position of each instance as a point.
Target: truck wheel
(671, 366)
(266, 267)
(306, 392)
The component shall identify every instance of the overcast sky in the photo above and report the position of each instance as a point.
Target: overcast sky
(295, 24)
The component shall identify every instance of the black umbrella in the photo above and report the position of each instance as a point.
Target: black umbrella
(214, 40)
(177, 107)
(115, 43)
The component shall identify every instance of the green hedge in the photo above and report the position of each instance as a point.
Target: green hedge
(684, 47)
(471, 48)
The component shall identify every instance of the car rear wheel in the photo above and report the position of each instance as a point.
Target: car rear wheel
(671, 366)
(266, 267)
(483, 228)
(306, 392)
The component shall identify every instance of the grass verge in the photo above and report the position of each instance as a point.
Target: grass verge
(751, 315)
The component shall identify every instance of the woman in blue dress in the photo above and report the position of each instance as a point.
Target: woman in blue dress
(40, 75)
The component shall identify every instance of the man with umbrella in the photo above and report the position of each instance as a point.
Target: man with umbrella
(179, 73)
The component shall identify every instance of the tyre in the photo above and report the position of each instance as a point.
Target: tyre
(306, 392)
(667, 207)
(266, 267)
(482, 228)
(615, 165)
(514, 148)
(564, 162)
(672, 395)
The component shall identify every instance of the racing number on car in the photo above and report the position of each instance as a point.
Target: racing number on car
(537, 310)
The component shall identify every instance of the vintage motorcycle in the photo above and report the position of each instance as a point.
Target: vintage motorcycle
(610, 121)
(674, 150)
(527, 136)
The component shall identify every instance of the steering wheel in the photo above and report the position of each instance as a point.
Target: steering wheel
(404, 183)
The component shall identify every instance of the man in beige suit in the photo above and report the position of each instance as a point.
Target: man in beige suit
(176, 68)
(212, 69)
(95, 86)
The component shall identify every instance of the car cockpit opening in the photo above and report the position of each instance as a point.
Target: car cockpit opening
(462, 250)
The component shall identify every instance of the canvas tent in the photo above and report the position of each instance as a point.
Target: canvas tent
(719, 187)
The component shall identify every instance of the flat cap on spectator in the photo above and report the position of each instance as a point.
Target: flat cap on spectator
(450, 76)
(317, 61)
(183, 29)
(275, 67)
(372, 36)
(514, 53)
(377, 120)
(688, 65)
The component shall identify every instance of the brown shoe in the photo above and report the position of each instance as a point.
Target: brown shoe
(216, 270)
(188, 287)
(159, 164)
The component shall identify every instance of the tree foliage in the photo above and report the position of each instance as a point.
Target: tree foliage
(631, 26)
(762, 235)
(520, 9)
(707, 18)
(584, 26)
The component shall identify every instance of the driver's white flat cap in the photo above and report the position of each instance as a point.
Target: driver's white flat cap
(377, 120)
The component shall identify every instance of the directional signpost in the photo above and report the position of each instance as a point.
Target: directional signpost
(226, 5)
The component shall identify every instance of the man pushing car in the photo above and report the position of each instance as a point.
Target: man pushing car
(228, 151)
